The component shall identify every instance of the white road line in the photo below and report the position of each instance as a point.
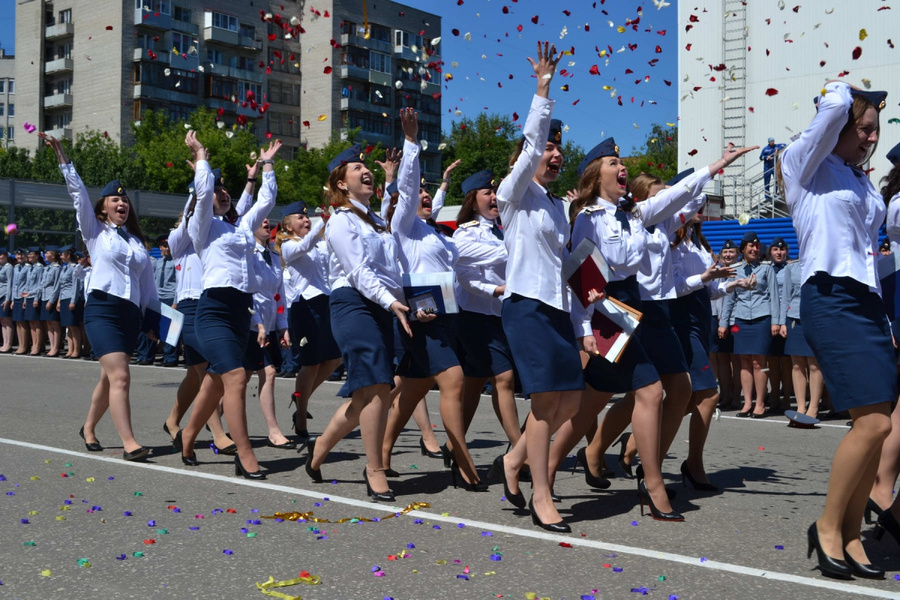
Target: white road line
(692, 561)
(785, 422)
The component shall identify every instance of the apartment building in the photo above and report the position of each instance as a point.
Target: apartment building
(7, 99)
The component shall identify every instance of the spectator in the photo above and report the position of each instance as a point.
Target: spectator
(767, 155)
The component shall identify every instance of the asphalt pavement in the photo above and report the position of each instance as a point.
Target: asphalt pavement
(85, 525)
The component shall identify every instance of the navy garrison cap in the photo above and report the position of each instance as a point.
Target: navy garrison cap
(217, 176)
(51, 248)
(297, 208)
(21, 250)
(885, 245)
(391, 189)
(351, 155)
(680, 176)
(555, 134)
(749, 238)
(878, 99)
(66, 248)
(894, 155)
(34, 249)
(3, 250)
(779, 243)
(79, 255)
(729, 245)
(162, 238)
(607, 147)
(113, 188)
(479, 181)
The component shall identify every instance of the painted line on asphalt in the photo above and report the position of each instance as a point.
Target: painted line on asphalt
(778, 422)
(692, 561)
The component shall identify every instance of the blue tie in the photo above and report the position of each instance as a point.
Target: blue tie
(622, 218)
(122, 233)
(268, 256)
(498, 233)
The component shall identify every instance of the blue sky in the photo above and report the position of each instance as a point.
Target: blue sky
(496, 50)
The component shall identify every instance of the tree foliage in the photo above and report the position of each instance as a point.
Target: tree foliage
(659, 156)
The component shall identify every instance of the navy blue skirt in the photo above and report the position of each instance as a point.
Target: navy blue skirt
(634, 369)
(431, 349)
(50, 314)
(70, 317)
(485, 346)
(543, 345)
(311, 319)
(753, 336)
(6, 313)
(776, 349)
(18, 310)
(659, 339)
(189, 341)
(112, 324)
(364, 332)
(717, 345)
(222, 326)
(32, 313)
(849, 333)
(796, 344)
(691, 319)
(256, 357)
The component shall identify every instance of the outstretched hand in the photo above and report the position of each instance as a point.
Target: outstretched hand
(409, 119)
(56, 145)
(545, 66)
(390, 163)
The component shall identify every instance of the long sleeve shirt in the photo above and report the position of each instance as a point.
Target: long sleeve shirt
(83, 274)
(835, 208)
(481, 267)
(422, 248)
(165, 275)
(20, 279)
(306, 260)
(761, 301)
(790, 292)
(7, 276)
(123, 265)
(893, 222)
(363, 258)
(33, 283)
(225, 249)
(67, 283)
(269, 299)
(535, 227)
(690, 261)
(50, 283)
(188, 268)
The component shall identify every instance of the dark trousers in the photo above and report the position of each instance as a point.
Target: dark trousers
(146, 348)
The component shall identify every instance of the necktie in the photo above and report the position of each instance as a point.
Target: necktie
(552, 197)
(694, 238)
(622, 218)
(651, 228)
(267, 256)
(122, 233)
(498, 233)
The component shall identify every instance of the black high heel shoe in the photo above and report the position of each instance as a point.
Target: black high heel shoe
(499, 472)
(600, 483)
(427, 452)
(887, 522)
(191, 460)
(91, 447)
(560, 527)
(387, 496)
(301, 433)
(166, 429)
(446, 455)
(700, 487)
(623, 442)
(639, 475)
(240, 470)
(314, 474)
(864, 570)
(872, 507)
(831, 567)
(140, 454)
(644, 495)
(455, 474)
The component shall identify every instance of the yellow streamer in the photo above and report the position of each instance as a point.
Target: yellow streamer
(308, 516)
(271, 583)
(366, 19)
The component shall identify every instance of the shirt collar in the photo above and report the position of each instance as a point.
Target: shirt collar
(359, 205)
(483, 221)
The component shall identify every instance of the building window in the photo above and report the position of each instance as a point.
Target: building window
(247, 31)
(184, 44)
(379, 62)
(246, 86)
(355, 57)
(154, 6)
(222, 88)
(401, 38)
(12, 110)
(2, 86)
(2, 109)
(154, 74)
(10, 133)
(215, 56)
(61, 120)
(65, 16)
(284, 93)
(12, 86)
(283, 125)
(380, 33)
(370, 123)
(64, 51)
(243, 62)
(146, 42)
(179, 112)
(223, 21)
(181, 14)
(63, 86)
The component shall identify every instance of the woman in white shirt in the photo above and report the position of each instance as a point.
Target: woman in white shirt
(304, 253)
(120, 290)
(225, 245)
(837, 213)
(366, 295)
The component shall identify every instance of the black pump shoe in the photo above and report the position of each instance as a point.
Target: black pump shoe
(314, 474)
(864, 570)
(446, 455)
(887, 522)
(623, 442)
(592, 480)
(481, 486)
(240, 470)
(872, 507)
(560, 527)
(288, 445)
(639, 475)
(700, 487)
(166, 429)
(301, 433)
(499, 472)
(387, 496)
(176, 441)
(657, 514)
(389, 472)
(140, 454)
(831, 567)
(427, 452)
(92, 446)
(190, 461)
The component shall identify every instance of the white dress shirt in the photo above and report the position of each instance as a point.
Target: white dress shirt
(188, 268)
(268, 299)
(835, 208)
(437, 203)
(893, 222)
(690, 261)
(422, 248)
(123, 267)
(534, 226)
(226, 250)
(481, 268)
(306, 260)
(363, 258)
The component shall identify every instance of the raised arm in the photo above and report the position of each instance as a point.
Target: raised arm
(204, 189)
(246, 200)
(345, 243)
(267, 192)
(408, 175)
(84, 212)
(389, 165)
(440, 197)
(294, 250)
(179, 241)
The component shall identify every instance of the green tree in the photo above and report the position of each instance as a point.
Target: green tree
(15, 163)
(659, 155)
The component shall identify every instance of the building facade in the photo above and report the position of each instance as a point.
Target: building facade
(7, 99)
(287, 67)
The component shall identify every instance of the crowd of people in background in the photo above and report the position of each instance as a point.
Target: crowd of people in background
(747, 328)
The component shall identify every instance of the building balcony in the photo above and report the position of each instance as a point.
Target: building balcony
(380, 78)
(233, 108)
(60, 65)
(250, 43)
(221, 36)
(152, 19)
(61, 133)
(161, 57)
(59, 30)
(164, 94)
(57, 101)
(184, 27)
(354, 72)
(363, 105)
(361, 42)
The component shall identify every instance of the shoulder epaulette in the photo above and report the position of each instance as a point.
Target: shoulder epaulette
(469, 224)
(592, 209)
(342, 209)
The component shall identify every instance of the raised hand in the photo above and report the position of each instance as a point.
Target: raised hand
(269, 152)
(545, 67)
(56, 145)
(449, 170)
(409, 120)
(198, 151)
(390, 164)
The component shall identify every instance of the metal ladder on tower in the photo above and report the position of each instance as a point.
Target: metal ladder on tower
(734, 101)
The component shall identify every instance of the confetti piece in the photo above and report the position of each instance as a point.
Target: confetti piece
(771, 92)
(137, 554)
(744, 218)
(121, 557)
(46, 573)
(618, 569)
(30, 543)
(322, 117)
(228, 552)
(149, 542)
(85, 563)
(779, 547)
(29, 128)
(90, 480)
(857, 52)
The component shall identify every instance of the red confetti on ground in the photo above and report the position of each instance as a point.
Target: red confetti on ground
(148, 542)
(761, 448)
(565, 545)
